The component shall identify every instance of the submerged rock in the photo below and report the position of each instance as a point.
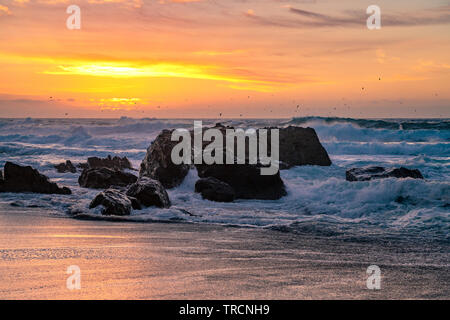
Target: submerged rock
(149, 193)
(158, 164)
(215, 190)
(19, 179)
(369, 173)
(114, 203)
(103, 178)
(246, 180)
(66, 167)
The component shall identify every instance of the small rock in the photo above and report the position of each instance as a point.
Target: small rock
(116, 163)
(215, 190)
(149, 192)
(114, 203)
(66, 167)
(103, 178)
(369, 173)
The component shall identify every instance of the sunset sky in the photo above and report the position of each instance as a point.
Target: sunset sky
(241, 58)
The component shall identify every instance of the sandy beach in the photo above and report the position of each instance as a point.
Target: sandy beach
(120, 260)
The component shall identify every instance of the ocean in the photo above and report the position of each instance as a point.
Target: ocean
(320, 201)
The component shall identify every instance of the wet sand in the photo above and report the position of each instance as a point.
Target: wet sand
(120, 260)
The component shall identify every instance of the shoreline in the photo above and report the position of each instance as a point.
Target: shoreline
(204, 261)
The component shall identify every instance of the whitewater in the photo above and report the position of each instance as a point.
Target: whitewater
(319, 199)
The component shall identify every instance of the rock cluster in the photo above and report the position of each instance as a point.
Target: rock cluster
(298, 146)
(124, 192)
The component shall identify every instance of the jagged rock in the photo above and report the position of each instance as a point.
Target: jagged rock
(149, 193)
(26, 179)
(215, 190)
(115, 163)
(301, 146)
(246, 180)
(369, 173)
(103, 178)
(114, 203)
(158, 164)
(66, 167)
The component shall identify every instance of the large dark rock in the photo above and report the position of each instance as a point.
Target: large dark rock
(297, 146)
(158, 164)
(114, 203)
(26, 179)
(369, 173)
(300, 147)
(103, 178)
(66, 167)
(115, 163)
(215, 190)
(149, 193)
(246, 180)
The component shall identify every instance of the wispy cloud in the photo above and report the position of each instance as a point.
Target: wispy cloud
(351, 18)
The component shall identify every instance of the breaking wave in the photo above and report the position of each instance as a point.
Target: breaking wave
(319, 198)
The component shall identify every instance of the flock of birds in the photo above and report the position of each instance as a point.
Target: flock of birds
(297, 109)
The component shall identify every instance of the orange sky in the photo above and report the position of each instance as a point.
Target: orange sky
(200, 58)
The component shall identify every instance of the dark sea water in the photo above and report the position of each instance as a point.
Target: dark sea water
(319, 199)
